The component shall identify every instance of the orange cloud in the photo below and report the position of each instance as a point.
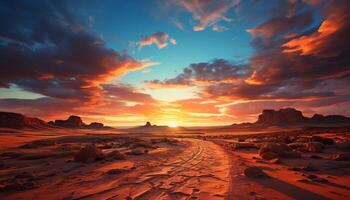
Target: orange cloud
(160, 39)
(207, 12)
(313, 44)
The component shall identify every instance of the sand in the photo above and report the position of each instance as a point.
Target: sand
(181, 167)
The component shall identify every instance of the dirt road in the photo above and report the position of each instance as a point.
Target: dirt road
(193, 169)
(199, 171)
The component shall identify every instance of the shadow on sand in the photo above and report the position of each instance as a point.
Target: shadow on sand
(289, 189)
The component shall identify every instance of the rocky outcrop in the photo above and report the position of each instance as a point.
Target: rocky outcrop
(76, 122)
(148, 124)
(72, 122)
(89, 153)
(282, 116)
(329, 119)
(292, 117)
(95, 125)
(19, 121)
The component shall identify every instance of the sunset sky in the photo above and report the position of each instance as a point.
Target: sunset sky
(183, 62)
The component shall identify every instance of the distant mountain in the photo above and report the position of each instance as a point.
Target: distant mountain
(74, 121)
(288, 117)
(148, 127)
(281, 117)
(19, 121)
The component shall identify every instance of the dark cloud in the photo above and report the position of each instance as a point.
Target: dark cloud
(217, 71)
(127, 93)
(159, 38)
(46, 49)
(295, 58)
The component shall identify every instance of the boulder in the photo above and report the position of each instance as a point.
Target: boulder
(89, 153)
(137, 151)
(282, 116)
(325, 141)
(254, 172)
(342, 157)
(269, 155)
(95, 125)
(314, 147)
(345, 146)
(72, 122)
(292, 154)
(297, 145)
(277, 148)
(115, 171)
(143, 144)
(243, 145)
(19, 121)
(116, 155)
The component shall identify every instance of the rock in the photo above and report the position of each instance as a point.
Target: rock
(274, 161)
(312, 176)
(116, 155)
(327, 141)
(316, 156)
(19, 121)
(320, 180)
(164, 140)
(24, 175)
(269, 155)
(106, 146)
(148, 124)
(279, 149)
(330, 119)
(254, 172)
(297, 145)
(95, 125)
(136, 151)
(345, 146)
(89, 153)
(280, 117)
(342, 157)
(317, 179)
(271, 147)
(11, 154)
(72, 122)
(143, 144)
(39, 143)
(314, 147)
(309, 168)
(316, 138)
(115, 171)
(18, 185)
(243, 145)
(292, 154)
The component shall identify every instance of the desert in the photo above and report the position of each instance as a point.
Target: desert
(164, 163)
(174, 100)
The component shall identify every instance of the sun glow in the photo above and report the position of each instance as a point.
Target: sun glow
(172, 124)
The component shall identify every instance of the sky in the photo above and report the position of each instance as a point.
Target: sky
(174, 62)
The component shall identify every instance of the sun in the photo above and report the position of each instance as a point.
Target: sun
(172, 124)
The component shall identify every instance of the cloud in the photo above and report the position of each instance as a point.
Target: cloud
(116, 100)
(219, 28)
(207, 13)
(159, 38)
(294, 60)
(126, 92)
(47, 50)
(198, 74)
